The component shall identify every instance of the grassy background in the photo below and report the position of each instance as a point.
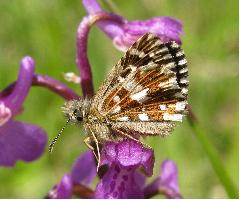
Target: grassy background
(46, 30)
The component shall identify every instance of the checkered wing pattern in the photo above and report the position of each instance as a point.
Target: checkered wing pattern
(149, 84)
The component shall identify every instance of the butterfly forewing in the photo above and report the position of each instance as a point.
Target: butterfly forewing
(149, 84)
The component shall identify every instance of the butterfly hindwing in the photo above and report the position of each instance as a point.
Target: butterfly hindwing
(149, 84)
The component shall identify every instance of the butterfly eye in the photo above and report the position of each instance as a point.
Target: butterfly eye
(77, 115)
(79, 118)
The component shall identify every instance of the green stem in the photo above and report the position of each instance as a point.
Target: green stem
(212, 154)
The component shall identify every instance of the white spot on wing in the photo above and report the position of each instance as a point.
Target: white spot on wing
(158, 42)
(180, 53)
(129, 85)
(151, 55)
(140, 95)
(164, 49)
(183, 80)
(150, 65)
(170, 65)
(172, 117)
(141, 54)
(184, 90)
(184, 70)
(121, 79)
(133, 68)
(123, 119)
(168, 56)
(116, 110)
(180, 105)
(170, 82)
(182, 62)
(116, 98)
(143, 117)
(163, 107)
(150, 36)
(174, 45)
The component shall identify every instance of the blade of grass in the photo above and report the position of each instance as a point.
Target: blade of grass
(213, 156)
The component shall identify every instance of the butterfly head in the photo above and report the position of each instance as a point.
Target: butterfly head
(76, 110)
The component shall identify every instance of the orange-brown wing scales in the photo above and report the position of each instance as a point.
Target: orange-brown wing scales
(157, 91)
(151, 84)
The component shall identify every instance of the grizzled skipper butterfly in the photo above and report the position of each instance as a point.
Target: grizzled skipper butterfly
(144, 94)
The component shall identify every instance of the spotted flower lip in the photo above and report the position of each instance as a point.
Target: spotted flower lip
(128, 153)
(123, 178)
(19, 140)
(124, 33)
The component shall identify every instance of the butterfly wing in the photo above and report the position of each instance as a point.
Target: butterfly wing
(148, 86)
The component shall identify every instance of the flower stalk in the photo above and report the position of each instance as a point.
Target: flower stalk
(82, 41)
(213, 156)
(48, 82)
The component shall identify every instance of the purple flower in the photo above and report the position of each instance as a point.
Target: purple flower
(166, 183)
(84, 169)
(81, 175)
(123, 178)
(62, 190)
(127, 165)
(124, 165)
(124, 33)
(128, 162)
(19, 140)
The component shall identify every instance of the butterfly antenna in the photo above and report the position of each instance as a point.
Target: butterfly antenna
(50, 148)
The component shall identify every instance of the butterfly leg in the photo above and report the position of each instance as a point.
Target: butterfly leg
(91, 147)
(132, 138)
(87, 141)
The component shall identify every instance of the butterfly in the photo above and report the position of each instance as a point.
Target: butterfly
(144, 94)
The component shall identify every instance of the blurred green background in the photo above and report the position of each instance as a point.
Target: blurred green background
(46, 30)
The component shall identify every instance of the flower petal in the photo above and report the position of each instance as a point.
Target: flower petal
(84, 169)
(122, 179)
(166, 28)
(110, 27)
(91, 6)
(20, 141)
(124, 33)
(15, 100)
(63, 190)
(119, 182)
(166, 183)
(5, 114)
(169, 175)
(128, 153)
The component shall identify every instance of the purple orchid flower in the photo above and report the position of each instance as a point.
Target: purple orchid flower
(19, 140)
(128, 163)
(82, 174)
(123, 180)
(124, 33)
(166, 183)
